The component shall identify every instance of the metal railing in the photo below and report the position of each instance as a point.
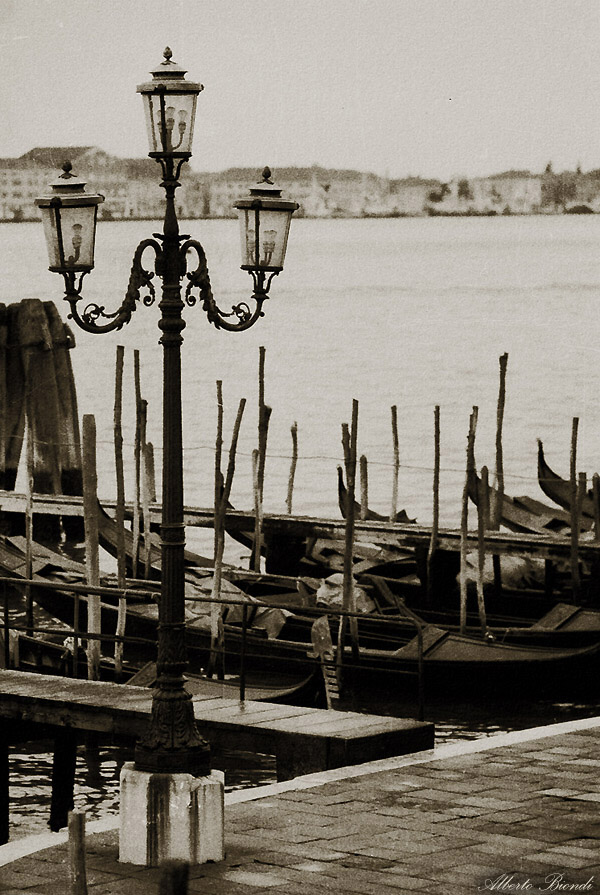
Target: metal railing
(249, 648)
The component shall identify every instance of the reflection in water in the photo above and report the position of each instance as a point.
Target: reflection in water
(97, 781)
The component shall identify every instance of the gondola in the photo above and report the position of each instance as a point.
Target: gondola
(41, 655)
(450, 660)
(559, 490)
(523, 514)
(108, 532)
(562, 625)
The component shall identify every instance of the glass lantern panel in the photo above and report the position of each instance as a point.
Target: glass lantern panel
(78, 228)
(274, 228)
(180, 113)
(51, 234)
(246, 219)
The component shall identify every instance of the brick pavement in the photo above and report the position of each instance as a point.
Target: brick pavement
(513, 813)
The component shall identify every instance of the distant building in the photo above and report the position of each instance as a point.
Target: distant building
(512, 192)
(411, 195)
(131, 189)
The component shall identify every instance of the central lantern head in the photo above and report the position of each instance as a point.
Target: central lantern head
(170, 108)
(264, 226)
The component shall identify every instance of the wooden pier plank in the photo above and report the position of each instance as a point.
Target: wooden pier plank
(549, 546)
(300, 737)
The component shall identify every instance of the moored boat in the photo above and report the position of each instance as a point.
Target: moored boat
(386, 648)
(559, 489)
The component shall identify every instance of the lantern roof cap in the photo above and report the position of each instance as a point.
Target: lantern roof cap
(169, 75)
(68, 189)
(266, 194)
(67, 182)
(266, 186)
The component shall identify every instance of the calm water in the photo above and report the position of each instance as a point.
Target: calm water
(412, 312)
(409, 312)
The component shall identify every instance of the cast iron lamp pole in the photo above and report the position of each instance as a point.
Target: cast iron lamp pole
(172, 743)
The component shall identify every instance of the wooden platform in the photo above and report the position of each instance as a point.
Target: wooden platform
(551, 546)
(302, 739)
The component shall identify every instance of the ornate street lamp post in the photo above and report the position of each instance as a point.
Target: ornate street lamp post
(172, 743)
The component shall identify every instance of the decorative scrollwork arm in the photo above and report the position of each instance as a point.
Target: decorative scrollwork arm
(241, 316)
(139, 279)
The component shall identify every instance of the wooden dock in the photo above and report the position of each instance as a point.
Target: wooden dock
(275, 526)
(303, 740)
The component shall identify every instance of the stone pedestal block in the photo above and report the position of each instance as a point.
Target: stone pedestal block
(170, 817)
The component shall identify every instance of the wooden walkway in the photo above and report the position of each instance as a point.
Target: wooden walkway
(303, 740)
(550, 546)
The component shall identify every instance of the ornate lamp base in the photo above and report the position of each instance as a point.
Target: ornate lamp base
(172, 743)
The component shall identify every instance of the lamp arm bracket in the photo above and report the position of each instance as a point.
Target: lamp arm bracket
(139, 279)
(199, 279)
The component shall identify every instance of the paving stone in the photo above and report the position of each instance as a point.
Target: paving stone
(559, 793)
(488, 802)
(560, 861)
(577, 851)
(23, 881)
(257, 878)
(215, 886)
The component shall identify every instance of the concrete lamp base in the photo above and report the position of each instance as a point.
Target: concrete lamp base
(170, 817)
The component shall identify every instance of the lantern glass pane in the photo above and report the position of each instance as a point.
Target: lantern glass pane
(78, 228)
(246, 219)
(274, 229)
(179, 116)
(51, 234)
(151, 103)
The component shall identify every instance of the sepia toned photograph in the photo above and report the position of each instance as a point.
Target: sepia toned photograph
(299, 447)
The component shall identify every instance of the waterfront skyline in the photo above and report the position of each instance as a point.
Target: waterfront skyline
(395, 87)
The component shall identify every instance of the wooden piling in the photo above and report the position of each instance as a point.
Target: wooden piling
(29, 471)
(364, 487)
(293, 464)
(222, 495)
(349, 441)
(216, 626)
(90, 512)
(575, 581)
(145, 491)
(77, 853)
(596, 501)
(499, 484)
(435, 522)
(464, 519)
(4, 782)
(264, 415)
(481, 526)
(396, 450)
(63, 770)
(150, 470)
(120, 506)
(13, 409)
(68, 436)
(137, 449)
(42, 404)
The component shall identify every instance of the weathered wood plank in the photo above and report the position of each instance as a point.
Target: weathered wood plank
(380, 532)
(309, 737)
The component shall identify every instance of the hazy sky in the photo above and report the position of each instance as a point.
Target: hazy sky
(422, 87)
